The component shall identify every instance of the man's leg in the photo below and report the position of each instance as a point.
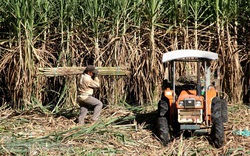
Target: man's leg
(97, 104)
(83, 113)
(97, 110)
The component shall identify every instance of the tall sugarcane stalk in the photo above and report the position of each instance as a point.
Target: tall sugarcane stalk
(119, 12)
(154, 16)
(23, 13)
(233, 47)
(110, 33)
(95, 11)
(43, 10)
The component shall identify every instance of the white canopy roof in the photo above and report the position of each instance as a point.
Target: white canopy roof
(188, 53)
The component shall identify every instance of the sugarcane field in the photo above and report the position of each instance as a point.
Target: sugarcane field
(124, 77)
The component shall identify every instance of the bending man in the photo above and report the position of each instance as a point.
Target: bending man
(88, 82)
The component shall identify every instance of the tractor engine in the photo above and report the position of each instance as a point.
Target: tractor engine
(190, 107)
(189, 113)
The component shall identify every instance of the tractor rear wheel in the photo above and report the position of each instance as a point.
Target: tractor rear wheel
(217, 130)
(163, 130)
(224, 110)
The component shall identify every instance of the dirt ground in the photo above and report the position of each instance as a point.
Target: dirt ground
(120, 131)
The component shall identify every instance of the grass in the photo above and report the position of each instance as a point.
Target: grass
(119, 132)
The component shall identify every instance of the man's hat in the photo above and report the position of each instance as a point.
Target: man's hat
(89, 68)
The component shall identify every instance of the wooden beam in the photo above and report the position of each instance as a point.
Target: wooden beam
(64, 71)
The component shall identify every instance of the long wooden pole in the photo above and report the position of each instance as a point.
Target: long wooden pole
(64, 71)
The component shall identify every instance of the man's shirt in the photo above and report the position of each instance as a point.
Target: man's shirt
(86, 86)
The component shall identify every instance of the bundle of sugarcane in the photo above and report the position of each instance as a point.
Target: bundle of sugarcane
(63, 71)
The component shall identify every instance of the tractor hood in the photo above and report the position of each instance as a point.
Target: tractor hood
(188, 53)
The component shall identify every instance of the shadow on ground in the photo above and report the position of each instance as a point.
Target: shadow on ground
(68, 113)
(149, 120)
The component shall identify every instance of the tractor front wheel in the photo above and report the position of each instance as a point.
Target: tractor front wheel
(162, 121)
(217, 130)
(163, 130)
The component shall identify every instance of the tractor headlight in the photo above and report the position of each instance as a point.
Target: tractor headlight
(181, 103)
(198, 103)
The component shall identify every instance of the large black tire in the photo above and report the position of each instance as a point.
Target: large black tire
(162, 121)
(248, 95)
(217, 130)
(224, 110)
(163, 108)
(217, 133)
(163, 130)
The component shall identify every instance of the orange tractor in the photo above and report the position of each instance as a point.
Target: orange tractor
(193, 106)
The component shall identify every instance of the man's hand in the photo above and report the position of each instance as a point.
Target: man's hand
(95, 73)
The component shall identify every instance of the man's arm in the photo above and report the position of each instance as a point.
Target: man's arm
(94, 83)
